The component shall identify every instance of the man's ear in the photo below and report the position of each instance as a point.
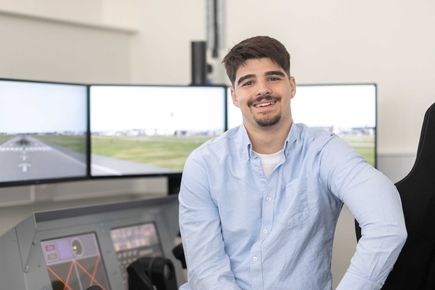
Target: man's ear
(293, 86)
(234, 97)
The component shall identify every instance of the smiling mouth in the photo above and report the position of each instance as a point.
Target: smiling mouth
(265, 104)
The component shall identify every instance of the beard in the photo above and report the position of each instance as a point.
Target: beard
(266, 121)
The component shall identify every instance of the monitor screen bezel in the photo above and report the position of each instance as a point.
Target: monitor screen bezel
(39, 181)
(171, 176)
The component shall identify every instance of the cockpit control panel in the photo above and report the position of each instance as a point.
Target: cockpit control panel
(88, 247)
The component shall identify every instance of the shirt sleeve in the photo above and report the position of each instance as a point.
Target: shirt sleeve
(375, 203)
(208, 264)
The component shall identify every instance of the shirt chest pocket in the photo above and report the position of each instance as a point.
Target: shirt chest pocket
(295, 210)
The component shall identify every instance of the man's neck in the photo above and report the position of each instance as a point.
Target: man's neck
(267, 140)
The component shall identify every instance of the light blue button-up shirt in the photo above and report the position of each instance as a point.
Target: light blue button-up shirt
(243, 230)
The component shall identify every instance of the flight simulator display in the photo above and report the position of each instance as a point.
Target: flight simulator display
(43, 131)
(348, 110)
(74, 262)
(139, 130)
(91, 247)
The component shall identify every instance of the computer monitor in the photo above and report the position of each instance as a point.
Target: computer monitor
(348, 110)
(43, 132)
(75, 262)
(150, 130)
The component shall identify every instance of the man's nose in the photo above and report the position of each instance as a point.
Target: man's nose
(263, 89)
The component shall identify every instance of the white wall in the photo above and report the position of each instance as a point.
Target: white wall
(160, 51)
(38, 49)
(99, 41)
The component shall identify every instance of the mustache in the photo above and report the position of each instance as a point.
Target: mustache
(263, 98)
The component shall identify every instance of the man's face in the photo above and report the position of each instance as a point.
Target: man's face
(263, 90)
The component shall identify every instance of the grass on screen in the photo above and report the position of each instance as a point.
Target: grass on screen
(164, 152)
(75, 143)
(4, 138)
(364, 145)
(171, 152)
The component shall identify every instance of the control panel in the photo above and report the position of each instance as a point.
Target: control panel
(89, 247)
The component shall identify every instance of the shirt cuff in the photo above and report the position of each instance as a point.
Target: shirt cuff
(355, 282)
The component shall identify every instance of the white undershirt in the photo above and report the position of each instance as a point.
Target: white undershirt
(270, 161)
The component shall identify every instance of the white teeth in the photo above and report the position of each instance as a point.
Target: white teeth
(263, 104)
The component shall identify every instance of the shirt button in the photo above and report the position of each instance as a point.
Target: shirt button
(254, 259)
(268, 198)
(265, 231)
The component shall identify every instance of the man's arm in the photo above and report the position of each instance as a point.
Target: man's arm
(375, 203)
(207, 262)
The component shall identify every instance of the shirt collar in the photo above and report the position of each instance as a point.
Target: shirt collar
(246, 148)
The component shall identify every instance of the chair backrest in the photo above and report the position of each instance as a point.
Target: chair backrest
(415, 267)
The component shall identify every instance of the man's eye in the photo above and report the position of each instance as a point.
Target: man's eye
(274, 78)
(247, 83)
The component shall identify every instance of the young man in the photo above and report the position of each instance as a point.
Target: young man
(259, 204)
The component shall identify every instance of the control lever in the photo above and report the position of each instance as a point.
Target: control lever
(138, 278)
(147, 272)
(178, 252)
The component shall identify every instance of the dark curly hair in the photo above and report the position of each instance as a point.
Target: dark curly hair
(256, 47)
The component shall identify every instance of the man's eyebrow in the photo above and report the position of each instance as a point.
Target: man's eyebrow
(275, 72)
(248, 76)
(269, 73)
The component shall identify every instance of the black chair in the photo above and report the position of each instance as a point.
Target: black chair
(415, 267)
